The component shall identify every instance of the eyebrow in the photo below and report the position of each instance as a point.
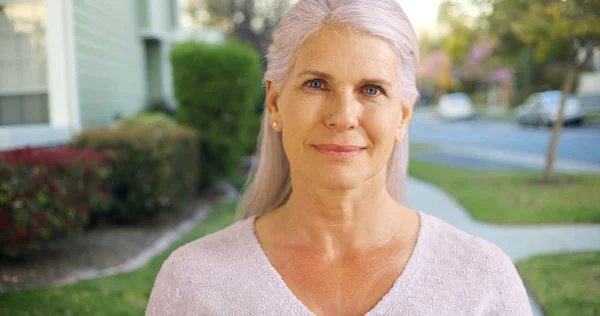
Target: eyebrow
(371, 81)
(376, 82)
(314, 73)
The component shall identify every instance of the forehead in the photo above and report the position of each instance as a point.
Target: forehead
(341, 52)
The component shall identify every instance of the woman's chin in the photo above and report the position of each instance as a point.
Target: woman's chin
(339, 180)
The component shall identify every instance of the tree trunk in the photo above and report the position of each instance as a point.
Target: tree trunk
(551, 156)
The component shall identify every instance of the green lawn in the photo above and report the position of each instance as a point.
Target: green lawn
(565, 284)
(124, 294)
(416, 147)
(515, 197)
(595, 118)
(485, 113)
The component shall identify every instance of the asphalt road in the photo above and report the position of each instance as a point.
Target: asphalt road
(576, 144)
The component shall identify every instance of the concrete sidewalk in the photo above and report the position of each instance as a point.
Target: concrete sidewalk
(517, 241)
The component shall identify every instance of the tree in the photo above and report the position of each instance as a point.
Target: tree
(459, 26)
(252, 20)
(572, 25)
(564, 31)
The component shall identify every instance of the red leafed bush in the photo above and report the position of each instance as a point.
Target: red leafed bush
(47, 193)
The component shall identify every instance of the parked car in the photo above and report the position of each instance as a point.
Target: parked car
(542, 109)
(455, 106)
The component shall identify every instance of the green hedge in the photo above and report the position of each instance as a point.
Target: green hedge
(154, 167)
(147, 119)
(217, 88)
(46, 194)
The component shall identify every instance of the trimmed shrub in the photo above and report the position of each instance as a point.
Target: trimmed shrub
(147, 119)
(154, 167)
(159, 106)
(217, 88)
(46, 194)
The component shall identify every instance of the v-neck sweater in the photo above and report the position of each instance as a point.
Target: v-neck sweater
(450, 272)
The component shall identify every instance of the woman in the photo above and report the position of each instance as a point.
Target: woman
(323, 230)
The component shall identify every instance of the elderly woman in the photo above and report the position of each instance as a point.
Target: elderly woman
(323, 230)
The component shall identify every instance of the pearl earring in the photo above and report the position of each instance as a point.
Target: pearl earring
(274, 124)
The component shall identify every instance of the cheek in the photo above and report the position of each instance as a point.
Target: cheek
(381, 127)
(300, 114)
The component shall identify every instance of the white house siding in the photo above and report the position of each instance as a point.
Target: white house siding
(110, 60)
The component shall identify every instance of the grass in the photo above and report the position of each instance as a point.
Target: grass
(123, 294)
(515, 197)
(565, 284)
(594, 118)
(486, 113)
(417, 147)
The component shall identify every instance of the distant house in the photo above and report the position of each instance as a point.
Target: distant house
(69, 65)
(588, 90)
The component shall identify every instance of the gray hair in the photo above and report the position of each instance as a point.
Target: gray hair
(269, 183)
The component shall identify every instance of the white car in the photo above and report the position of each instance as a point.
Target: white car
(542, 109)
(455, 106)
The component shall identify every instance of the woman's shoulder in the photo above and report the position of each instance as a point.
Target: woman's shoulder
(199, 274)
(217, 246)
(464, 254)
(216, 255)
(472, 265)
(467, 259)
(443, 238)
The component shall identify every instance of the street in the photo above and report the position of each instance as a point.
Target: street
(499, 144)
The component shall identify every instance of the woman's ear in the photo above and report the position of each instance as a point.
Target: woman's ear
(272, 106)
(402, 129)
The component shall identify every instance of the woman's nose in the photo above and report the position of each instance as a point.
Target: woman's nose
(344, 112)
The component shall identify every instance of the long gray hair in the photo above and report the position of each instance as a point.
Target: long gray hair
(269, 183)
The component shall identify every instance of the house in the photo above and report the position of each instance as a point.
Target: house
(70, 65)
(588, 89)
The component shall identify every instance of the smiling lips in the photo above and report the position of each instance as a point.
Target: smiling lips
(339, 150)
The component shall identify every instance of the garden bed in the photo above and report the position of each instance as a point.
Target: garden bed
(98, 249)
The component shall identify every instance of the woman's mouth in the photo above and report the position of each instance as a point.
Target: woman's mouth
(341, 151)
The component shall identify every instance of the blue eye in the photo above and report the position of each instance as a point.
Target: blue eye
(372, 90)
(315, 84)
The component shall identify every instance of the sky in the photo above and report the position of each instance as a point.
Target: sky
(421, 13)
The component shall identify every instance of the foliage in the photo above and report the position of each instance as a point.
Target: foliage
(160, 106)
(217, 88)
(535, 75)
(535, 35)
(253, 21)
(556, 25)
(48, 193)
(154, 167)
(157, 119)
(461, 34)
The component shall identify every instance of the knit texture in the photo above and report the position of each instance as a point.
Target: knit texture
(449, 273)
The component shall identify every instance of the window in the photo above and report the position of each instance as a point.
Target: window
(23, 59)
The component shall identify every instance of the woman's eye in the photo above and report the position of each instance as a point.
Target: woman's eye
(315, 84)
(372, 90)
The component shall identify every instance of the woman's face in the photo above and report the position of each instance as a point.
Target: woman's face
(339, 111)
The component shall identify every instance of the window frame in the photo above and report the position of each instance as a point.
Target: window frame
(63, 100)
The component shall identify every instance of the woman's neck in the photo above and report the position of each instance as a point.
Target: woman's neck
(336, 224)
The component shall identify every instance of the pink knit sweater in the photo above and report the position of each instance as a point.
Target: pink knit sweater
(449, 273)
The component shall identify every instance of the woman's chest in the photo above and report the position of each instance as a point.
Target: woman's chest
(350, 288)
